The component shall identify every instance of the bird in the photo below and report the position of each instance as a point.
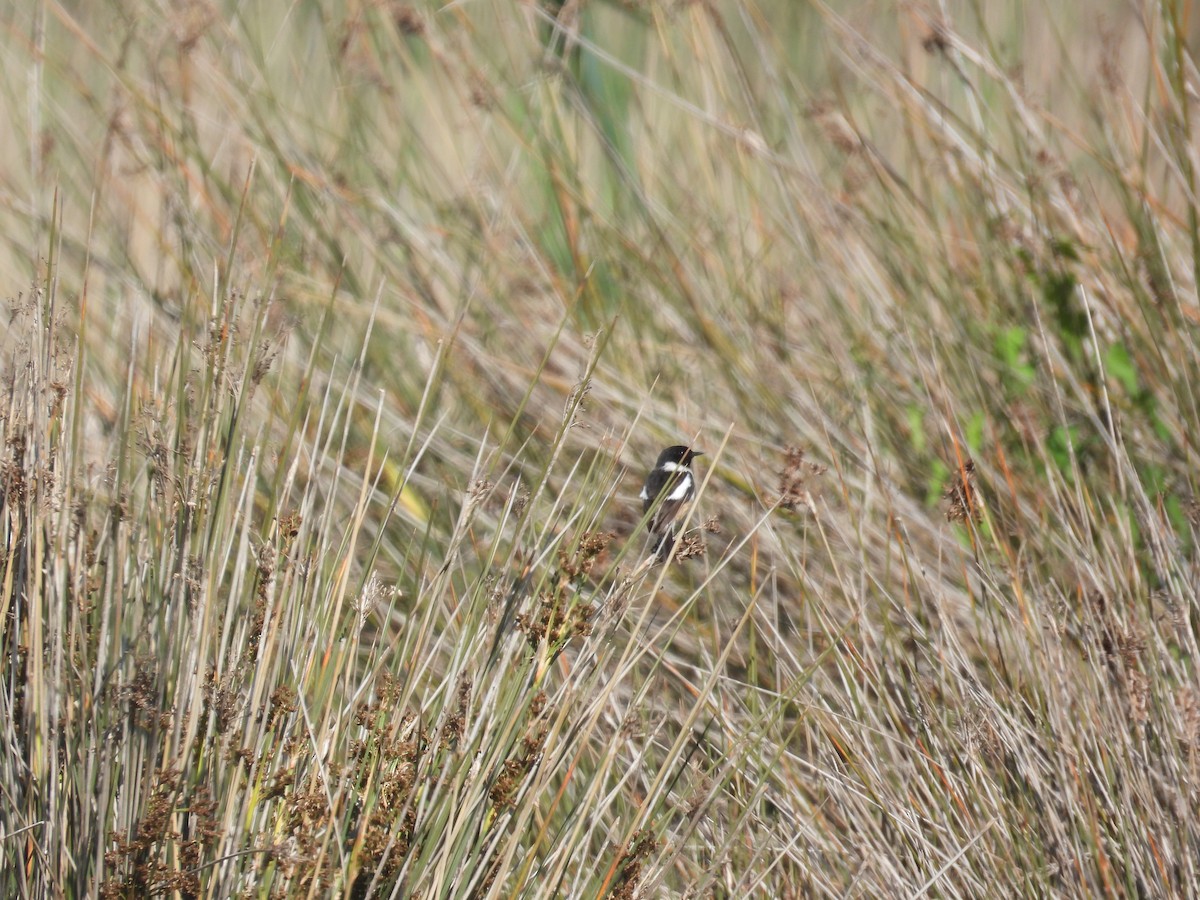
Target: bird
(669, 488)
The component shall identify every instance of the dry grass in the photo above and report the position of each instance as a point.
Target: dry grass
(339, 341)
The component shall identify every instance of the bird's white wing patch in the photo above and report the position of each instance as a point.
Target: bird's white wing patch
(644, 495)
(682, 490)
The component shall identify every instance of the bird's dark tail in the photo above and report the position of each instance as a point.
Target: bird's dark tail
(664, 545)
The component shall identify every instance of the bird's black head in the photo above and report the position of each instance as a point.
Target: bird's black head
(679, 454)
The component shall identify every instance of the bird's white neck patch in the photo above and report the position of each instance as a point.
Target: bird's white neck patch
(671, 467)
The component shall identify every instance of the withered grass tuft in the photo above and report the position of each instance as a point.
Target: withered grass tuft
(339, 338)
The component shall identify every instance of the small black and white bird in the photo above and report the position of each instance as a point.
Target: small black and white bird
(669, 488)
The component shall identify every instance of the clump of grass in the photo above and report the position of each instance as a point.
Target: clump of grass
(339, 341)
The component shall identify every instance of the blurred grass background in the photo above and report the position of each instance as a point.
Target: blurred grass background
(341, 335)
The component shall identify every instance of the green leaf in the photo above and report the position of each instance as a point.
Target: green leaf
(1175, 514)
(1010, 345)
(916, 427)
(973, 432)
(1059, 444)
(1010, 348)
(1120, 366)
(1161, 428)
(1059, 290)
(1065, 248)
(1154, 479)
(938, 473)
